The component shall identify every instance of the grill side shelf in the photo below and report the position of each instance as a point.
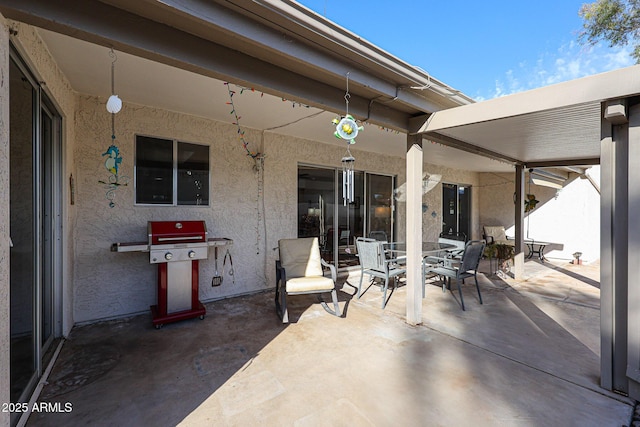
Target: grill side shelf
(219, 241)
(130, 247)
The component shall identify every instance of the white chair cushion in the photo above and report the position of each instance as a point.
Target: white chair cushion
(300, 257)
(310, 283)
(498, 234)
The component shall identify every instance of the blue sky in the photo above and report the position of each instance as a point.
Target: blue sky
(484, 48)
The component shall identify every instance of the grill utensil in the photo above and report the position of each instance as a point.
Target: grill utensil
(216, 280)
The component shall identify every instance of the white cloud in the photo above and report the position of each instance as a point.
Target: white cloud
(570, 61)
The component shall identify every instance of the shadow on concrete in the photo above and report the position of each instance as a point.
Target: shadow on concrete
(125, 372)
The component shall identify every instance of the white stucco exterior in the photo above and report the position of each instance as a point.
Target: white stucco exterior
(569, 217)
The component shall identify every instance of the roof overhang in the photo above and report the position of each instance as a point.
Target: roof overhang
(278, 47)
(557, 125)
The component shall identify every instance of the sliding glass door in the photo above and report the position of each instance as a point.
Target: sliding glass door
(456, 210)
(322, 212)
(35, 212)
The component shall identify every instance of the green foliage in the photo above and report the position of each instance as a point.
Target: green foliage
(499, 251)
(614, 21)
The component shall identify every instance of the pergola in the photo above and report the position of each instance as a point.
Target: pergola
(586, 121)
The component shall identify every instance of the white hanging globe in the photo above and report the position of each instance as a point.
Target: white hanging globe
(114, 104)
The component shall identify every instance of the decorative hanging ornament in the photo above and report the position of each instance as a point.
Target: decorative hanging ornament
(114, 104)
(530, 203)
(346, 126)
(347, 129)
(348, 162)
(114, 159)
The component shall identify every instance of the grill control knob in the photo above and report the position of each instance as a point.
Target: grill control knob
(192, 254)
(168, 256)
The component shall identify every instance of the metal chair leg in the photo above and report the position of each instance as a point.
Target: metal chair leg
(384, 296)
(460, 292)
(360, 285)
(478, 287)
(285, 310)
(334, 298)
(336, 307)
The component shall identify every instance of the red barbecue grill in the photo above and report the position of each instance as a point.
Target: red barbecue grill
(176, 247)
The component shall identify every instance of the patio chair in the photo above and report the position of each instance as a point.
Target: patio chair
(378, 235)
(374, 263)
(299, 271)
(443, 258)
(496, 234)
(468, 267)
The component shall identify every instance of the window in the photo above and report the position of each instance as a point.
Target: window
(169, 172)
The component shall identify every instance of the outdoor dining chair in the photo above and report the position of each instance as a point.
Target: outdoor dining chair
(374, 263)
(299, 271)
(447, 255)
(467, 267)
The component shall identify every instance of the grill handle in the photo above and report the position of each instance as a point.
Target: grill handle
(171, 239)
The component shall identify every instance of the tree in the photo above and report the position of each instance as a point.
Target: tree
(615, 21)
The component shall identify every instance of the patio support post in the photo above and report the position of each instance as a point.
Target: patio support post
(414, 229)
(518, 267)
(619, 239)
(607, 166)
(633, 254)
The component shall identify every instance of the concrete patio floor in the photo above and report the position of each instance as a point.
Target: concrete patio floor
(528, 356)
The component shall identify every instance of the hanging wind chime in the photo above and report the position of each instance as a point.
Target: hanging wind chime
(112, 164)
(347, 129)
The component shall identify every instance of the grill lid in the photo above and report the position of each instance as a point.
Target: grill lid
(167, 232)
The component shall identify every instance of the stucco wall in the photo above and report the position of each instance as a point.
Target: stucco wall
(569, 217)
(283, 154)
(111, 284)
(124, 283)
(4, 219)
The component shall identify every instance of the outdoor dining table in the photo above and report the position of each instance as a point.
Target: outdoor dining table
(398, 250)
(531, 245)
(428, 248)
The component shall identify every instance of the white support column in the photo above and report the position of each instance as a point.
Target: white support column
(414, 229)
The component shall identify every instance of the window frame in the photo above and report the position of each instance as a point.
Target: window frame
(174, 173)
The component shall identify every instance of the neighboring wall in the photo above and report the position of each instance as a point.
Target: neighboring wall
(570, 217)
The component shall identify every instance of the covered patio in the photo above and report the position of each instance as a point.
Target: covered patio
(529, 355)
(178, 64)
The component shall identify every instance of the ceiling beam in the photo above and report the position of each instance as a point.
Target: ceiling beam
(567, 162)
(470, 148)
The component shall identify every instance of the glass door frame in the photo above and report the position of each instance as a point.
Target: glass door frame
(457, 209)
(46, 195)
